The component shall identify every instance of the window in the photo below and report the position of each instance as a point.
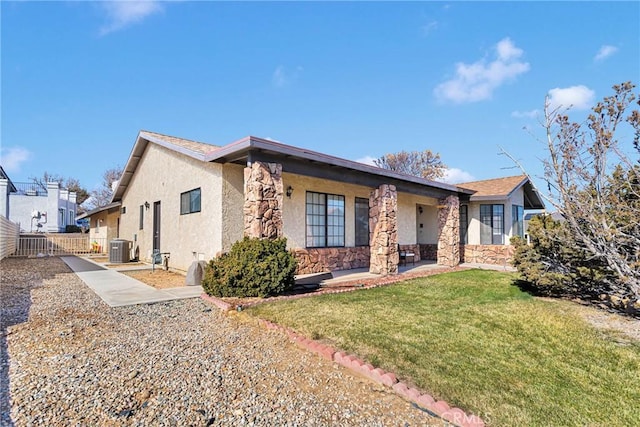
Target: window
(61, 218)
(362, 222)
(141, 221)
(190, 202)
(464, 223)
(325, 220)
(491, 224)
(517, 221)
(72, 219)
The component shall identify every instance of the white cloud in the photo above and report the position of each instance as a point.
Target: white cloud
(525, 114)
(576, 97)
(605, 52)
(367, 160)
(282, 77)
(12, 158)
(477, 81)
(456, 176)
(429, 27)
(122, 13)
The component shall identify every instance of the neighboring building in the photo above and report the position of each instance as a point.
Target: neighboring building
(495, 213)
(36, 208)
(194, 200)
(104, 225)
(6, 188)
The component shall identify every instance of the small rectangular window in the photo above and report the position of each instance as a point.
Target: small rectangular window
(362, 221)
(190, 201)
(141, 224)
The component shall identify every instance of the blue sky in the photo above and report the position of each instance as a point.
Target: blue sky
(351, 79)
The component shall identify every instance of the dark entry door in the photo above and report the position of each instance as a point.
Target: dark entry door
(156, 226)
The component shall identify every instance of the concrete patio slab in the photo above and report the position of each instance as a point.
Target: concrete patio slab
(119, 290)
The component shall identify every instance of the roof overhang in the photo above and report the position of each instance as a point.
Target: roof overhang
(532, 199)
(113, 206)
(311, 163)
(143, 139)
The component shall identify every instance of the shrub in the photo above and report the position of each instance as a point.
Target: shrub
(72, 229)
(554, 264)
(253, 268)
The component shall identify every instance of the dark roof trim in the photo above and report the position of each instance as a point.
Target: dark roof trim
(98, 210)
(3, 175)
(243, 147)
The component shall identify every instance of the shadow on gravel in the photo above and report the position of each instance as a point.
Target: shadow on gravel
(19, 276)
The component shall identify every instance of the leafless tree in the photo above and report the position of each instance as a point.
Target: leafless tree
(424, 164)
(71, 184)
(102, 195)
(595, 185)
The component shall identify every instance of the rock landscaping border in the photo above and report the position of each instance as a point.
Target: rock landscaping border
(355, 364)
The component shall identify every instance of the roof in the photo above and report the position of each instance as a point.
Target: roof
(3, 175)
(299, 160)
(92, 212)
(503, 188)
(242, 147)
(187, 144)
(194, 149)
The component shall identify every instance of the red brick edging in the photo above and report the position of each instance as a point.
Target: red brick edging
(350, 361)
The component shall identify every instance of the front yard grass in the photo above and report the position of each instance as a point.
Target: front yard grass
(478, 342)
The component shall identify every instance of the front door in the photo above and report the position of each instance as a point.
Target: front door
(156, 226)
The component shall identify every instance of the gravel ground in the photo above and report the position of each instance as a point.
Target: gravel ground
(69, 359)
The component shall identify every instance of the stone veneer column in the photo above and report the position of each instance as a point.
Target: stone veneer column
(383, 226)
(449, 231)
(263, 200)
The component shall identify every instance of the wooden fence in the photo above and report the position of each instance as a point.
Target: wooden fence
(59, 244)
(9, 232)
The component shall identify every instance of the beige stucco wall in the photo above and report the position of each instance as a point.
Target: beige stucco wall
(233, 201)
(473, 236)
(103, 227)
(294, 210)
(409, 218)
(162, 175)
(428, 233)
(293, 213)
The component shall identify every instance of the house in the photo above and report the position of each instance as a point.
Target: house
(35, 207)
(194, 200)
(104, 226)
(494, 214)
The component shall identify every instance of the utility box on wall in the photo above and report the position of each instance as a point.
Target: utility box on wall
(119, 251)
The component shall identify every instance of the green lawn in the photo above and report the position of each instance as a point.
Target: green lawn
(478, 342)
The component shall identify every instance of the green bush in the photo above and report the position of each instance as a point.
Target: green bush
(72, 229)
(554, 264)
(253, 268)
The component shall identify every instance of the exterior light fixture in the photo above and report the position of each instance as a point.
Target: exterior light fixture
(289, 191)
(146, 205)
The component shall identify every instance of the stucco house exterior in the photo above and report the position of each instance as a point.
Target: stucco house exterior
(194, 200)
(494, 213)
(37, 208)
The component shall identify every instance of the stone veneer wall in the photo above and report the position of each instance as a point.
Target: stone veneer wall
(429, 252)
(383, 229)
(263, 200)
(318, 260)
(449, 231)
(488, 254)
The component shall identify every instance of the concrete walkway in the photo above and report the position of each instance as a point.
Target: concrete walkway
(117, 289)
